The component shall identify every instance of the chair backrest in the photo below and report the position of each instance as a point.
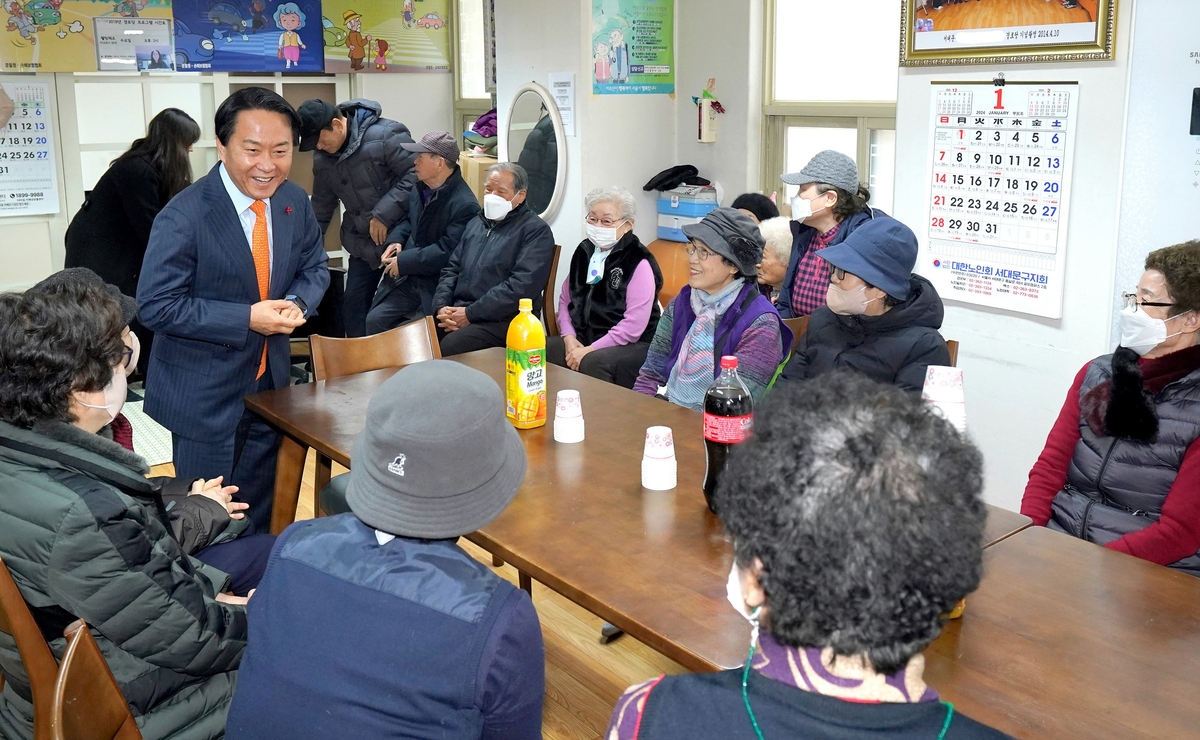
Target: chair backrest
(88, 704)
(798, 325)
(548, 299)
(415, 341)
(40, 667)
(952, 345)
(672, 262)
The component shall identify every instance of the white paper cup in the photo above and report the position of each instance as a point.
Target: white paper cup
(658, 474)
(567, 405)
(660, 444)
(568, 430)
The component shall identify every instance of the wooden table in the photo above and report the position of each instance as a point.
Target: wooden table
(1065, 639)
(654, 563)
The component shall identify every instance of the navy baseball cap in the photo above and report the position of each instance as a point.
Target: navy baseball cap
(882, 251)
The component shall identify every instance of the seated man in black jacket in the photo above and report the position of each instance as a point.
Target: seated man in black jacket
(439, 209)
(880, 319)
(504, 256)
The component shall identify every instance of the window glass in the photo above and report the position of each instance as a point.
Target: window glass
(470, 49)
(805, 141)
(846, 50)
(883, 168)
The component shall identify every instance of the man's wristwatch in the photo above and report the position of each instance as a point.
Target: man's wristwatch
(300, 304)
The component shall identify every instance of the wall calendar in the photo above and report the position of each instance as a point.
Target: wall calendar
(28, 175)
(999, 190)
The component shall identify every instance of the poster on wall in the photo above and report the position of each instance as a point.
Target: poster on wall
(633, 47)
(28, 178)
(134, 45)
(999, 190)
(248, 36)
(60, 35)
(376, 36)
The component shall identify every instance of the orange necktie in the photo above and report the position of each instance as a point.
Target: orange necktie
(260, 247)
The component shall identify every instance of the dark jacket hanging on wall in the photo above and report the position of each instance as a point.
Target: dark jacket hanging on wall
(596, 309)
(111, 230)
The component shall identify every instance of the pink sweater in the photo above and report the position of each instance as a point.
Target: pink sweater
(639, 301)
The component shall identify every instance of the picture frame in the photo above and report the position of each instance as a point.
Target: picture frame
(945, 32)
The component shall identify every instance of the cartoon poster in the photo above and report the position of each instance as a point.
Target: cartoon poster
(248, 36)
(387, 36)
(633, 47)
(60, 35)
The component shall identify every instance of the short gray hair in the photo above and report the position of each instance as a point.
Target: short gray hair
(615, 194)
(519, 176)
(777, 233)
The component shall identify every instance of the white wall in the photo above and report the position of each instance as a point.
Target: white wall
(1018, 368)
(423, 102)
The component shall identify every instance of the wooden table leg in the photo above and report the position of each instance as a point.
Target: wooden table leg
(323, 474)
(497, 562)
(289, 469)
(526, 582)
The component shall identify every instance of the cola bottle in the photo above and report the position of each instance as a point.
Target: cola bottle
(728, 419)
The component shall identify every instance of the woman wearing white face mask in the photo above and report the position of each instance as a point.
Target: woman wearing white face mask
(830, 205)
(607, 310)
(1121, 466)
(89, 536)
(824, 535)
(880, 319)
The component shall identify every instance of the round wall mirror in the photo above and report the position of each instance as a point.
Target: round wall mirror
(535, 141)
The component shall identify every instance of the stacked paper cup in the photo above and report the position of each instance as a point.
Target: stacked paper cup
(944, 391)
(658, 460)
(568, 417)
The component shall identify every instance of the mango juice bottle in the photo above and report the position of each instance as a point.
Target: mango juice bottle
(525, 369)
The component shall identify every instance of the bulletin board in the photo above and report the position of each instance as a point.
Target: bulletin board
(999, 189)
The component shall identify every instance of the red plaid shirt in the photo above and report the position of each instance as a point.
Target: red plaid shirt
(812, 276)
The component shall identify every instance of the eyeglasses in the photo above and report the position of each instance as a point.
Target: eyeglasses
(699, 253)
(126, 356)
(836, 274)
(1131, 301)
(607, 223)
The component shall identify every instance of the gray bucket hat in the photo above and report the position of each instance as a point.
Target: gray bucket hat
(437, 458)
(829, 167)
(733, 235)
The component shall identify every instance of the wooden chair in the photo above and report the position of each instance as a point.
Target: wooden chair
(415, 341)
(952, 345)
(88, 704)
(40, 667)
(672, 262)
(548, 298)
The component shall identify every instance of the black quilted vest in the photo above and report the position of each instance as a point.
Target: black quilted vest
(1117, 486)
(595, 309)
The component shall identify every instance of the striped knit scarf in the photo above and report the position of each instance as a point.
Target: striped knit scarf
(693, 371)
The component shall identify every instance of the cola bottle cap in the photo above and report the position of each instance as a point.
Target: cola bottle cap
(728, 362)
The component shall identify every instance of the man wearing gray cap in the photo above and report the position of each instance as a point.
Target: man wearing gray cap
(375, 623)
(439, 208)
(719, 312)
(361, 161)
(829, 206)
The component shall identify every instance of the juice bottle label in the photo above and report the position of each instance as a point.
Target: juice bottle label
(727, 429)
(526, 385)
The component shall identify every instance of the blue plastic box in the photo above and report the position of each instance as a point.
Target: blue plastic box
(684, 205)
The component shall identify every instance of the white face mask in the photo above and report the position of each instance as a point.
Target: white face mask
(136, 345)
(733, 592)
(603, 238)
(1141, 332)
(495, 208)
(848, 302)
(114, 395)
(802, 209)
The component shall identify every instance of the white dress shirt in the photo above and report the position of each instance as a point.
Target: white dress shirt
(241, 204)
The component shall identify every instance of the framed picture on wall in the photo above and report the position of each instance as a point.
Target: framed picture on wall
(940, 32)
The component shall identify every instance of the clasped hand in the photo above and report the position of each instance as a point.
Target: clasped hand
(575, 351)
(223, 495)
(275, 317)
(452, 318)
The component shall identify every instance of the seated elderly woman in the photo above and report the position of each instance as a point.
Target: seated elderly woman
(1121, 466)
(757, 206)
(608, 309)
(880, 319)
(777, 235)
(87, 536)
(857, 523)
(719, 312)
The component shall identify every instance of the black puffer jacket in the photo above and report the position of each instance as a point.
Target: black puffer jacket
(497, 264)
(894, 348)
(372, 176)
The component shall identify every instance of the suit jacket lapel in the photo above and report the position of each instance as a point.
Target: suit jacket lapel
(282, 216)
(227, 229)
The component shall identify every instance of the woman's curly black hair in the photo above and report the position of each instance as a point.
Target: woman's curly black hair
(55, 341)
(864, 508)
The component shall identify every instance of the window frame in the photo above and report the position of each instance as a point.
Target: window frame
(466, 110)
(779, 115)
